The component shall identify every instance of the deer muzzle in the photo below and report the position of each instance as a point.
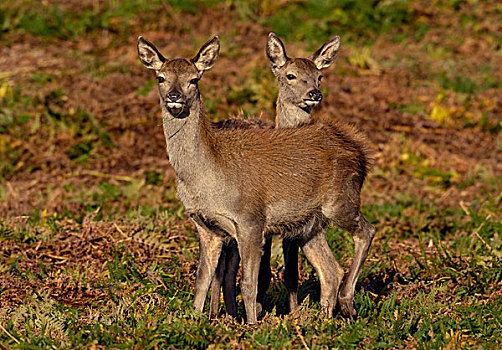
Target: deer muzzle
(315, 97)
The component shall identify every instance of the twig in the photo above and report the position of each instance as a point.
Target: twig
(489, 247)
(464, 208)
(10, 335)
(299, 332)
(159, 279)
(100, 174)
(167, 121)
(8, 74)
(120, 230)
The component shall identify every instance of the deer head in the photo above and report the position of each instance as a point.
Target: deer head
(178, 78)
(299, 78)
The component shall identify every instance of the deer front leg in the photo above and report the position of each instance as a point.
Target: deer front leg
(290, 252)
(330, 272)
(250, 241)
(209, 252)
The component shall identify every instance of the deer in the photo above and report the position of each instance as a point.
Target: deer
(293, 109)
(298, 80)
(242, 183)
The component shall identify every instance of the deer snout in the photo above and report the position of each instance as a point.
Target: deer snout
(174, 96)
(174, 100)
(175, 104)
(315, 95)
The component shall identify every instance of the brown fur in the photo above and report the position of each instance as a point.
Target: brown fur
(241, 124)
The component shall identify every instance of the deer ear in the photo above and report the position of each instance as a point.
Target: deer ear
(207, 55)
(149, 55)
(325, 56)
(276, 52)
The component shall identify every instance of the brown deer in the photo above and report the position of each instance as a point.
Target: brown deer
(241, 183)
(299, 80)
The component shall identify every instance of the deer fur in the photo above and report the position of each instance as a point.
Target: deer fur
(241, 183)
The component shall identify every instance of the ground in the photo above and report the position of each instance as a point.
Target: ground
(95, 249)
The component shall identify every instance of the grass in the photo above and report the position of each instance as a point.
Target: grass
(316, 19)
(48, 115)
(97, 252)
(51, 20)
(427, 303)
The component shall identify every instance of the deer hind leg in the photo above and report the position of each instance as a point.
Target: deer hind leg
(328, 269)
(345, 211)
(230, 278)
(290, 252)
(265, 274)
(209, 250)
(250, 241)
(363, 233)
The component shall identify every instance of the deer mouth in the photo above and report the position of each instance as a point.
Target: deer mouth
(311, 103)
(178, 110)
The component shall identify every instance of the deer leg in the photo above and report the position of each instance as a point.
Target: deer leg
(290, 252)
(363, 233)
(265, 274)
(217, 282)
(230, 278)
(209, 250)
(250, 241)
(231, 268)
(328, 269)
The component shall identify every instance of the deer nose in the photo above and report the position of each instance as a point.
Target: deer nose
(315, 95)
(174, 96)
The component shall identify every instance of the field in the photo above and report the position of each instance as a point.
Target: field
(97, 252)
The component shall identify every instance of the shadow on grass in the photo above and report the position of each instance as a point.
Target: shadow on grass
(378, 285)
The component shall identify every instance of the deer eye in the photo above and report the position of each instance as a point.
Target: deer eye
(320, 78)
(194, 81)
(291, 76)
(160, 79)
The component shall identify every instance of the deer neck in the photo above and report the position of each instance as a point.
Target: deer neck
(187, 141)
(290, 115)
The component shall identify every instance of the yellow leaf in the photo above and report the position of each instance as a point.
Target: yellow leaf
(440, 115)
(6, 91)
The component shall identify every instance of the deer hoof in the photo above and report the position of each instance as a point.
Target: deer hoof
(326, 311)
(259, 309)
(347, 308)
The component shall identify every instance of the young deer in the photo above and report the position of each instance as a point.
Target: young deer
(298, 80)
(241, 183)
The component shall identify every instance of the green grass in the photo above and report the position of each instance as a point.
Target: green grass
(413, 108)
(149, 315)
(51, 20)
(43, 118)
(315, 20)
(439, 297)
(13, 120)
